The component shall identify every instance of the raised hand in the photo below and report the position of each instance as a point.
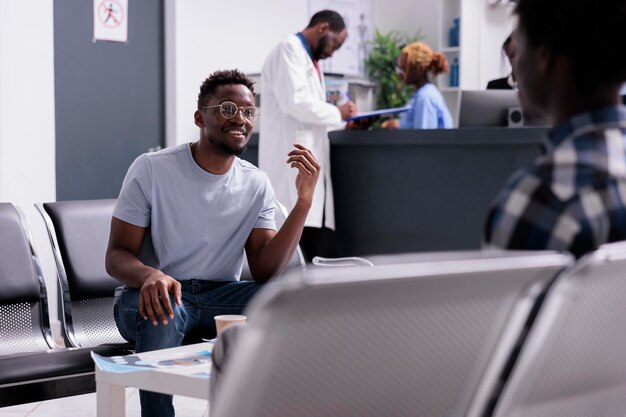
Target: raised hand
(308, 172)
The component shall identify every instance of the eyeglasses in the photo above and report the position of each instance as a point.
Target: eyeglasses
(228, 110)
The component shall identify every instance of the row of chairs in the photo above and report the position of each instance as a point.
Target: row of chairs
(32, 366)
(78, 232)
(474, 334)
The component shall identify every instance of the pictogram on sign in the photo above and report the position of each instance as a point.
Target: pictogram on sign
(110, 13)
(110, 21)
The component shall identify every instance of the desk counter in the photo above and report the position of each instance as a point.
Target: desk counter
(420, 190)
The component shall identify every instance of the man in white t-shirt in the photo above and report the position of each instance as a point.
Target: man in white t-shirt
(202, 207)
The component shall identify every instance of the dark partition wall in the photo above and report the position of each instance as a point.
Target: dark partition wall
(109, 97)
(408, 191)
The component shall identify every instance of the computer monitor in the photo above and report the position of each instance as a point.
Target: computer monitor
(484, 108)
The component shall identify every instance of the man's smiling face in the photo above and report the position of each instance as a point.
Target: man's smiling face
(229, 135)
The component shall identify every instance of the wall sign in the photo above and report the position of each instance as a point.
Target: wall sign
(110, 20)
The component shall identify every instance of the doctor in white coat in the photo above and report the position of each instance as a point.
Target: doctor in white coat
(294, 110)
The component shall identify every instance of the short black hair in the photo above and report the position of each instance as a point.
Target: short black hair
(506, 43)
(334, 20)
(588, 32)
(222, 77)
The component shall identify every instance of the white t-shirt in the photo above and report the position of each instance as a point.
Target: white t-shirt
(199, 221)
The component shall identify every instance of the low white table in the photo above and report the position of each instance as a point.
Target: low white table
(182, 370)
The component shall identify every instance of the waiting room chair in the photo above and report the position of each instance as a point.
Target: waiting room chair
(79, 235)
(574, 363)
(413, 338)
(32, 368)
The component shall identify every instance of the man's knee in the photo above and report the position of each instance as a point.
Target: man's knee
(144, 332)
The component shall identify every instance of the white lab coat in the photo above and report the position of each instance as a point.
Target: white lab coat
(294, 110)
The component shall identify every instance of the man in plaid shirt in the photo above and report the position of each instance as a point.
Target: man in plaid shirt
(570, 66)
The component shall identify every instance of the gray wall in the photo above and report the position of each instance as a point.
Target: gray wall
(109, 97)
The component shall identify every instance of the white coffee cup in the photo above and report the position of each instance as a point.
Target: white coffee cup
(227, 320)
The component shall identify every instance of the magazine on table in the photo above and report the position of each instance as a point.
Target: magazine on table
(195, 363)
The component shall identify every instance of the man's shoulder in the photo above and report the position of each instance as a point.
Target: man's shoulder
(249, 169)
(251, 177)
(149, 163)
(289, 44)
(499, 84)
(166, 153)
(289, 41)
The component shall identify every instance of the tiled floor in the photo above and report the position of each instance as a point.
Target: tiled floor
(85, 406)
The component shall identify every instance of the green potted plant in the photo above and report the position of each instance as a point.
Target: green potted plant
(381, 64)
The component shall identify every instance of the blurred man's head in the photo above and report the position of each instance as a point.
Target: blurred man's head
(509, 47)
(326, 33)
(569, 54)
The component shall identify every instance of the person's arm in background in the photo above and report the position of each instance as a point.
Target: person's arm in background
(269, 251)
(294, 95)
(390, 124)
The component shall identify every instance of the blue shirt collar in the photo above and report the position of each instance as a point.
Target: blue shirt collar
(582, 122)
(305, 44)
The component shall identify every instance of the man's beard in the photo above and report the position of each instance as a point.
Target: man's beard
(230, 151)
(319, 51)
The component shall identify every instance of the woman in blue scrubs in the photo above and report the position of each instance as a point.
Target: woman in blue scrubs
(416, 66)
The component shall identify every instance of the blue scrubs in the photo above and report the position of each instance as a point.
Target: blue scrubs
(428, 110)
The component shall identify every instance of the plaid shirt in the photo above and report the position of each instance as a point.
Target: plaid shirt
(573, 197)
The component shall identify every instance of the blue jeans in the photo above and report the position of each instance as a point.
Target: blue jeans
(201, 301)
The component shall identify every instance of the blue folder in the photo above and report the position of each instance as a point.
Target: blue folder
(381, 112)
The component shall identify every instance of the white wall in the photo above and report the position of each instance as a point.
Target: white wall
(27, 147)
(408, 16)
(210, 36)
(498, 23)
(483, 29)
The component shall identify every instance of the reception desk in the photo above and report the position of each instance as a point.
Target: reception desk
(420, 190)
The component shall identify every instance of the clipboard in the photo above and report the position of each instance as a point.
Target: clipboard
(381, 112)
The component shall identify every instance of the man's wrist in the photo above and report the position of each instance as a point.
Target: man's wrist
(304, 203)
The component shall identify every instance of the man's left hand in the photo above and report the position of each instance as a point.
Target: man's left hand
(308, 172)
